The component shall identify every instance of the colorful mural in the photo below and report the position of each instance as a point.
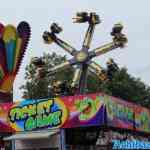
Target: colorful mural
(13, 43)
(122, 114)
(119, 113)
(63, 112)
(37, 114)
(142, 119)
(73, 111)
(84, 110)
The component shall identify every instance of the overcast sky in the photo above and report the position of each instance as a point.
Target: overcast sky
(134, 15)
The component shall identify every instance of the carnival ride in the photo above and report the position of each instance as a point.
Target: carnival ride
(83, 58)
(13, 43)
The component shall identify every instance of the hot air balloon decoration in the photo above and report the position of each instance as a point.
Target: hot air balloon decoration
(13, 43)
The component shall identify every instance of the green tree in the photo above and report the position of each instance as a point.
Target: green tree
(40, 88)
(127, 87)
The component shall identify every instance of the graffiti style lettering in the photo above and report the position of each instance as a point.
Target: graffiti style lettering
(30, 124)
(53, 119)
(142, 121)
(38, 115)
(144, 117)
(44, 106)
(88, 108)
(118, 110)
(20, 113)
(15, 114)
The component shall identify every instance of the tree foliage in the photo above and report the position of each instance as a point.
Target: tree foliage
(120, 83)
(41, 88)
(127, 87)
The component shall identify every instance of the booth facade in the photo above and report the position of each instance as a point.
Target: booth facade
(72, 122)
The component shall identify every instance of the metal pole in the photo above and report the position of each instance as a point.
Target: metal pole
(83, 80)
(63, 140)
(13, 144)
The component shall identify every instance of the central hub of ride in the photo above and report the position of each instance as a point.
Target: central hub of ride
(81, 56)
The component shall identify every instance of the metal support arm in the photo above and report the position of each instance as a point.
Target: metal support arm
(104, 49)
(76, 78)
(98, 70)
(88, 36)
(65, 46)
(50, 37)
(58, 68)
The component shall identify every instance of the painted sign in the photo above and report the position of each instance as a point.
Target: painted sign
(73, 111)
(84, 110)
(65, 112)
(120, 113)
(37, 114)
(142, 119)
